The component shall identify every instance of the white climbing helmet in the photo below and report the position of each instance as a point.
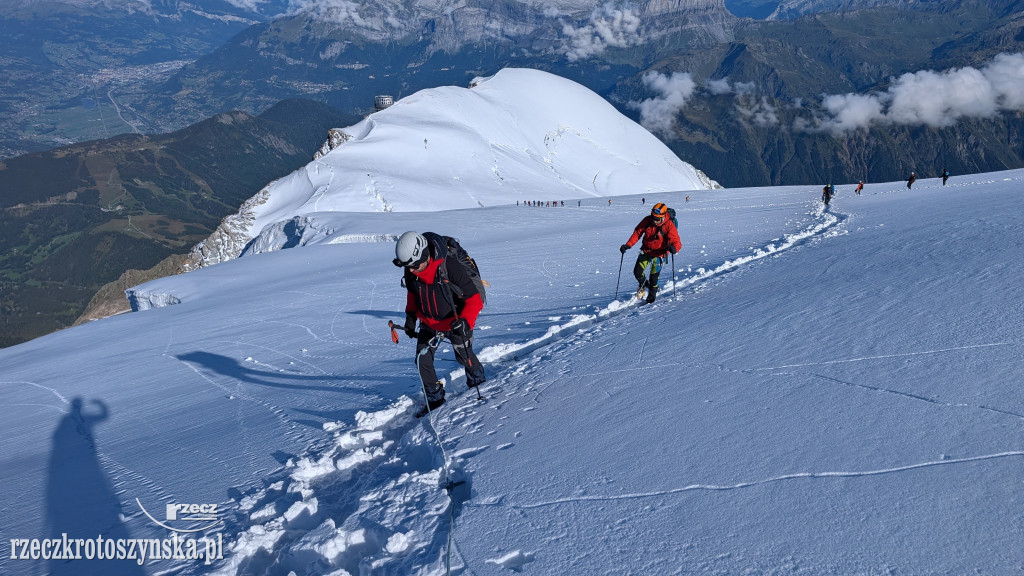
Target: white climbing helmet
(411, 249)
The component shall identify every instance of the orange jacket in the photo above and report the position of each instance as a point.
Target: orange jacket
(657, 238)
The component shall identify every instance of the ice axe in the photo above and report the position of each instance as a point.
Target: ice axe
(394, 331)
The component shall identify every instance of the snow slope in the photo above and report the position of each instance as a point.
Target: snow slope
(520, 135)
(824, 392)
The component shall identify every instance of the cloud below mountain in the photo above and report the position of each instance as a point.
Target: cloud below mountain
(750, 107)
(608, 27)
(757, 110)
(936, 99)
(335, 11)
(251, 5)
(658, 114)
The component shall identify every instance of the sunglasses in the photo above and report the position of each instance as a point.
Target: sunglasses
(410, 263)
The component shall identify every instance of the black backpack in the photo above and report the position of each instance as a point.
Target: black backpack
(459, 254)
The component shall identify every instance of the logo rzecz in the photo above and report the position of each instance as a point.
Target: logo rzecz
(186, 515)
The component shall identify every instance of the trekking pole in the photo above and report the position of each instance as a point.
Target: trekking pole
(674, 284)
(619, 277)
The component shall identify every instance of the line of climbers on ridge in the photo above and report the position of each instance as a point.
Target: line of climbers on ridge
(561, 203)
(829, 191)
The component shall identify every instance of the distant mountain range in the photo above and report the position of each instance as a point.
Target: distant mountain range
(758, 85)
(777, 60)
(75, 218)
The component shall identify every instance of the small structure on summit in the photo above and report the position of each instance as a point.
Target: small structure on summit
(382, 101)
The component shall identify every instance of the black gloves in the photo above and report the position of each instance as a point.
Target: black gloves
(623, 248)
(672, 249)
(461, 329)
(410, 325)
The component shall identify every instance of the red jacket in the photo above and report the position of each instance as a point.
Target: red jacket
(657, 238)
(429, 302)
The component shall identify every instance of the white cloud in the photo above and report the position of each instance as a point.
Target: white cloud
(927, 97)
(750, 108)
(658, 114)
(744, 88)
(941, 98)
(1006, 72)
(759, 111)
(852, 111)
(719, 87)
(608, 27)
(251, 5)
(336, 11)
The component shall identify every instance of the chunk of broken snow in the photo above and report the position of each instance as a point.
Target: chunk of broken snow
(302, 515)
(513, 560)
(400, 542)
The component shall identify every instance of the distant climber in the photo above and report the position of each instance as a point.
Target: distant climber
(827, 193)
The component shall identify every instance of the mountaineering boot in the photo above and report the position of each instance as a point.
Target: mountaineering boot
(652, 294)
(641, 292)
(435, 399)
(429, 407)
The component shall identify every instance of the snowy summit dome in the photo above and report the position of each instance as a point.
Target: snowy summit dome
(516, 136)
